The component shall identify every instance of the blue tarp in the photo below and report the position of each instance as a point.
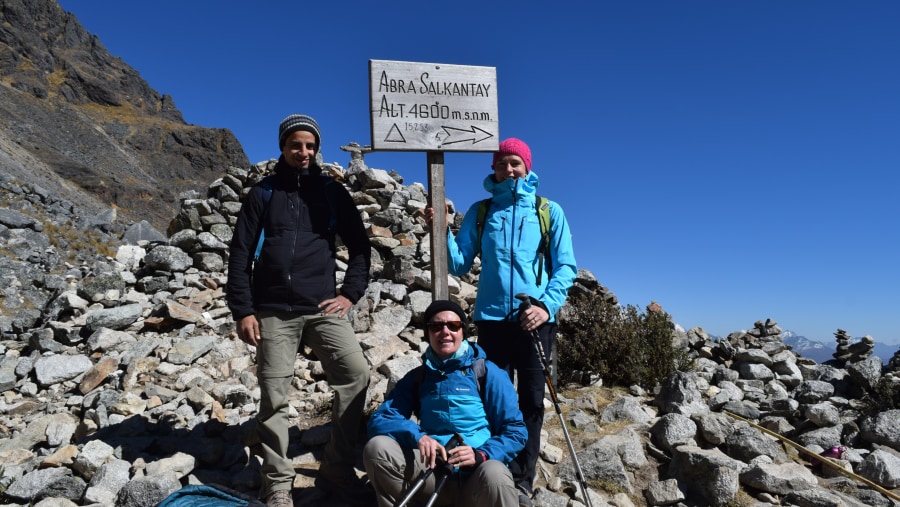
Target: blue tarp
(208, 496)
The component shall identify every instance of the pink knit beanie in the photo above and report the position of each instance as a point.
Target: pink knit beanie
(513, 146)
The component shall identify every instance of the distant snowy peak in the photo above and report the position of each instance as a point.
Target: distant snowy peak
(817, 351)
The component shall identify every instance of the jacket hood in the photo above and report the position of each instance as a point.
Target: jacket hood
(503, 192)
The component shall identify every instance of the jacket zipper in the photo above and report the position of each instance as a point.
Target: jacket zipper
(296, 228)
(512, 250)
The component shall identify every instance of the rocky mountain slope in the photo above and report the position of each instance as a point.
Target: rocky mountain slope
(85, 126)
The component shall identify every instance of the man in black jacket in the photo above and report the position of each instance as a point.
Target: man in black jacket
(288, 296)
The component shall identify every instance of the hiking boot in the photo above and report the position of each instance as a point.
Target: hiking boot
(280, 498)
(525, 500)
(342, 480)
(524, 497)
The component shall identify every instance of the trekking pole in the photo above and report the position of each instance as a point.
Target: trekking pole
(443, 467)
(415, 487)
(445, 470)
(539, 348)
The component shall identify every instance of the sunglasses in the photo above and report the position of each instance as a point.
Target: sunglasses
(437, 327)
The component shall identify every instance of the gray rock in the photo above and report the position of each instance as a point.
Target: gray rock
(107, 340)
(680, 394)
(15, 220)
(706, 475)
(753, 371)
(598, 463)
(664, 493)
(32, 484)
(714, 428)
(188, 351)
(882, 429)
(882, 468)
(93, 455)
(626, 408)
(50, 370)
(814, 498)
(628, 445)
(823, 437)
(813, 391)
(779, 479)
(746, 443)
(546, 498)
(168, 258)
(144, 491)
(107, 481)
(118, 318)
(142, 231)
(673, 430)
(822, 414)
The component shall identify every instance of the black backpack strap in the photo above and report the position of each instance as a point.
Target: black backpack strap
(328, 183)
(266, 185)
(418, 377)
(480, 371)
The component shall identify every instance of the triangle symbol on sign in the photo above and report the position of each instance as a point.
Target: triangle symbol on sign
(394, 135)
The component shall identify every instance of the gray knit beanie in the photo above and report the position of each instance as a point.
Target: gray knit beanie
(296, 122)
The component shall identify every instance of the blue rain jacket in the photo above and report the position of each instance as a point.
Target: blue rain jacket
(450, 402)
(509, 246)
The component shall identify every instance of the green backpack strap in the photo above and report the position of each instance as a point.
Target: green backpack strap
(543, 209)
(542, 205)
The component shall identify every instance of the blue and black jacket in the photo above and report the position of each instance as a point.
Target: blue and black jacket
(450, 403)
(296, 268)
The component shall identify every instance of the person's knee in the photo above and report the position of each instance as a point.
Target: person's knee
(493, 472)
(377, 448)
(351, 370)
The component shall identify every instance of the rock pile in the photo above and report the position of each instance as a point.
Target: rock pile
(122, 379)
(847, 352)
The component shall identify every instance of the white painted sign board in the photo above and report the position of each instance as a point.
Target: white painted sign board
(433, 107)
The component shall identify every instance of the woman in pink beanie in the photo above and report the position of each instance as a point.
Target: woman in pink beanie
(513, 262)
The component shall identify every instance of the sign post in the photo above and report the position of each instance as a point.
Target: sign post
(433, 108)
(436, 199)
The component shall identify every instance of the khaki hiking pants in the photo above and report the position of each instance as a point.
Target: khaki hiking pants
(334, 343)
(393, 470)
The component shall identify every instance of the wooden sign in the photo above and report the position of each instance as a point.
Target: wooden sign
(432, 107)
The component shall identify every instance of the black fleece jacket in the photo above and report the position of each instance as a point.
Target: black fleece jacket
(296, 269)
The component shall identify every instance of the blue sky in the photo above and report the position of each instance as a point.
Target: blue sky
(734, 161)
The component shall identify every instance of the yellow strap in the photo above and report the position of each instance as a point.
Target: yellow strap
(825, 460)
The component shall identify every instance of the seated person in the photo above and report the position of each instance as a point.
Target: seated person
(451, 394)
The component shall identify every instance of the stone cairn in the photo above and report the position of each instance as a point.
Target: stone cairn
(122, 379)
(847, 352)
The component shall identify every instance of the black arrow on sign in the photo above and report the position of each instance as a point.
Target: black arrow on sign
(466, 135)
